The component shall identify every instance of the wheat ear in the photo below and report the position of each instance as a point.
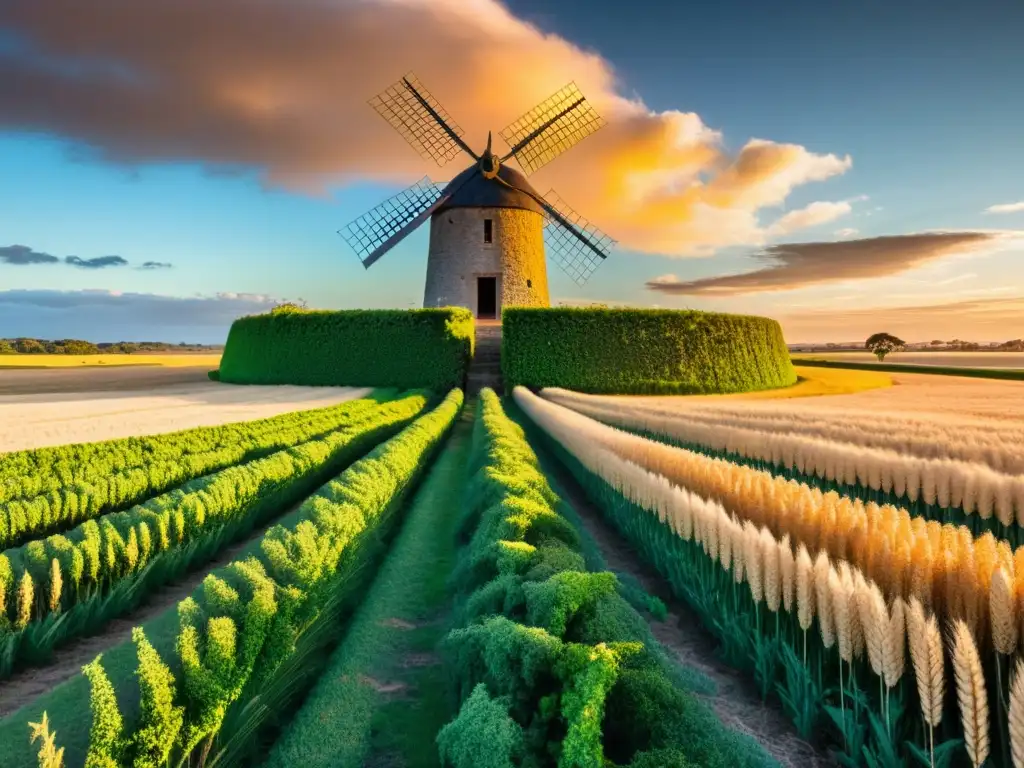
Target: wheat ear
(970, 693)
(1016, 715)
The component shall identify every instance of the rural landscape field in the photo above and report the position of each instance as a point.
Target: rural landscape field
(511, 384)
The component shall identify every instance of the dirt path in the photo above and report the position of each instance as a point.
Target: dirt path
(34, 381)
(26, 685)
(736, 701)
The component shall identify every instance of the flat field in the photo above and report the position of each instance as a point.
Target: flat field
(1004, 360)
(141, 358)
(36, 420)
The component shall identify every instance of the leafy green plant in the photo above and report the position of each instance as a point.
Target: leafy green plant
(46, 490)
(198, 509)
(396, 348)
(642, 351)
(246, 629)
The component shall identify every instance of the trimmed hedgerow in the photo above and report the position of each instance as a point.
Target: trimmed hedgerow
(248, 632)
(638, 351)
(387, 348)
(550, 664)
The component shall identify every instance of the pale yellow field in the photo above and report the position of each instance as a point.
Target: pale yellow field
(31, 421)
(211, 361)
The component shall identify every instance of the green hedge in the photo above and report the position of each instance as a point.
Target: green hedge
(387, 348)
(642, 351)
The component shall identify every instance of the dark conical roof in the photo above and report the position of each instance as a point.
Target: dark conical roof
(479, 192)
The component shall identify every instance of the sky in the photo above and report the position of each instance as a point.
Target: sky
(844, 168)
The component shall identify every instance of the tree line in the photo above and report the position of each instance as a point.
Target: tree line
(30, 346)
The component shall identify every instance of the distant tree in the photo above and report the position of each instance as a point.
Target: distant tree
(29, 347)
(881, 344)
(938, 343)
(6, 348)
(79, 347)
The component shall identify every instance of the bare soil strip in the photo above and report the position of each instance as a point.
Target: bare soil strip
(34, 381)
(736, 701)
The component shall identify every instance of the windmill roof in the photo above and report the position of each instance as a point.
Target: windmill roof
(479, 192)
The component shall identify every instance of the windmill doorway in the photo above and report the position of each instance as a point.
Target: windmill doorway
(487, 297)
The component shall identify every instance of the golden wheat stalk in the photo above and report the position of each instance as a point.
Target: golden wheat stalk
(970, 692)
(1016, 715)
(894, 644)
(1002, 613)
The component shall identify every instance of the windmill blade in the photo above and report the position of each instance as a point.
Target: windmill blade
(380, 229)
(422, 121)
(572, 242)
(550, 128)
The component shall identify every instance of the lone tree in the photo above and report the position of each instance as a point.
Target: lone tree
(882, 344)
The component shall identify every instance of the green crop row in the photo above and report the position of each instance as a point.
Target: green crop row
(552, 666)
(244, 633)
(52, 489)
(52, 575)
(386, 347)
(642, 351)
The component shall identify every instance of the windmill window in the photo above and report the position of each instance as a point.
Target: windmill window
(529, 283)
(488, 231)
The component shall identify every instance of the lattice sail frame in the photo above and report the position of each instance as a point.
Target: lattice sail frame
(378, 225)
(563, 134)
(572, 255)
(406, 115)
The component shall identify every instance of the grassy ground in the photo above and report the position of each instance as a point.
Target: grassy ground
(382, 699)
(1012, 374)
(76, 361)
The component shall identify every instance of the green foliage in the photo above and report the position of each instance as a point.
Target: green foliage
(396, 348)
(243, 627)
(106, 745)
(483, 735)
(196, 511)
(44, 490)
(642, 351)
(159, 720)
(49, 755)
(552, 641)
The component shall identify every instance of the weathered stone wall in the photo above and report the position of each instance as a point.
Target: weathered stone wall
(458, 255)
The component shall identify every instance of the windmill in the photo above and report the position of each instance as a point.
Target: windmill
(488, 225)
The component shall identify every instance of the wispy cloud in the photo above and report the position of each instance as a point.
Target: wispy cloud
(847, 232)
(812, 215)
(267, 86)
(796, 265)
(1006, 208)
(22, 255)
(98, 262)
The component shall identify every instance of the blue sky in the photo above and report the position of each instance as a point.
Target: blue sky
(923, 99)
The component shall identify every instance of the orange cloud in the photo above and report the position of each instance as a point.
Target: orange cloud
(797, 265)
(282, 87)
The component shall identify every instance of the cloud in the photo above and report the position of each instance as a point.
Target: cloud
(796, 265)
(22, 255)
(847, 232)
(102, 315)
(99, 262)
(813, 215)
(156, 265)
(976, 319)
(281, 89)
(1006, 208)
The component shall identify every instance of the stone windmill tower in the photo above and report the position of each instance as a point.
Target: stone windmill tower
(488, 226)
